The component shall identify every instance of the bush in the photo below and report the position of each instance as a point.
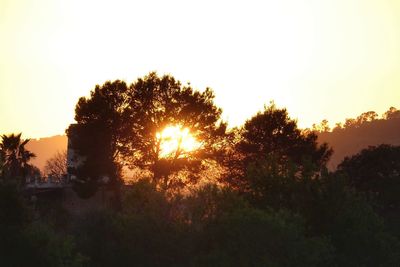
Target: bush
(28, 243)
(250, 237)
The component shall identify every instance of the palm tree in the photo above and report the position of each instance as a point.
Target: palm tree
(1, 162)
(15, 162)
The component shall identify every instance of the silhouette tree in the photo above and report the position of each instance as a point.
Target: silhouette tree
(56, 166)
(120, 126)
(338, 126)
(367, 117)
(97, 137)
(392, 113)
(322, 127)
(376, 172)
(273, 131)
(272, 134)
(159, 102)
(15, 157)
(350, 123)
(2, 160)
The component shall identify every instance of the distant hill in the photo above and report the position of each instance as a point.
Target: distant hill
(350, 140)
(45, 148)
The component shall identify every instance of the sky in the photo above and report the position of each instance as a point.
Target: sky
(321, 59)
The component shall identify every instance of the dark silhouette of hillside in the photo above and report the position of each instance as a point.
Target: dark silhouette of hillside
(45, 148)
(352, 139)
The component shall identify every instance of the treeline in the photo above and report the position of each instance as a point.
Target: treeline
(258, 195)
(356, 134)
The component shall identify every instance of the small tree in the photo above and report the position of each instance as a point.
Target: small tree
(322, 127)
(367, 117)
(15, 157)
(56, 167)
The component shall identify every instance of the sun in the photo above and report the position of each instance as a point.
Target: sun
(176, 141)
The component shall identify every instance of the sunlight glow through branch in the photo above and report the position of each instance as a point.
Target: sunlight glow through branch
(176, 141)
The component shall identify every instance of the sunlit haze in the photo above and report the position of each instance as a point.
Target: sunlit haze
(321, 59)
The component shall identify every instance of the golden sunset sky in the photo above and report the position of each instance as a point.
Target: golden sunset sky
(322, 59)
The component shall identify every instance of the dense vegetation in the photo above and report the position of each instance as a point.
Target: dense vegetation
(273, 202)
(359, 133)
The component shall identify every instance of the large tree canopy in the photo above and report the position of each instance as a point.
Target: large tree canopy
(159, 102)
(272, 131)
(120, 125)
(272, 134)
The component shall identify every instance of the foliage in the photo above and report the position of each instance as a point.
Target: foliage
(322, 127)
(272, 133)
(330, 208)
(56, 166)
(207, 203)
(366, 117)
(219, 233)
(126, 122)
(13, 211)
(274, 184)
(359, 236)
(25, 242)
(158, 102)
(343, 215)
(323, 225)
(359, 134)
(143, 198)
(249, 237)
(2, 160)
(44, 247)
(391, 113)
(137, 236)
(97, 136)
(376, 172)
(279, 206)
(15, 157)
